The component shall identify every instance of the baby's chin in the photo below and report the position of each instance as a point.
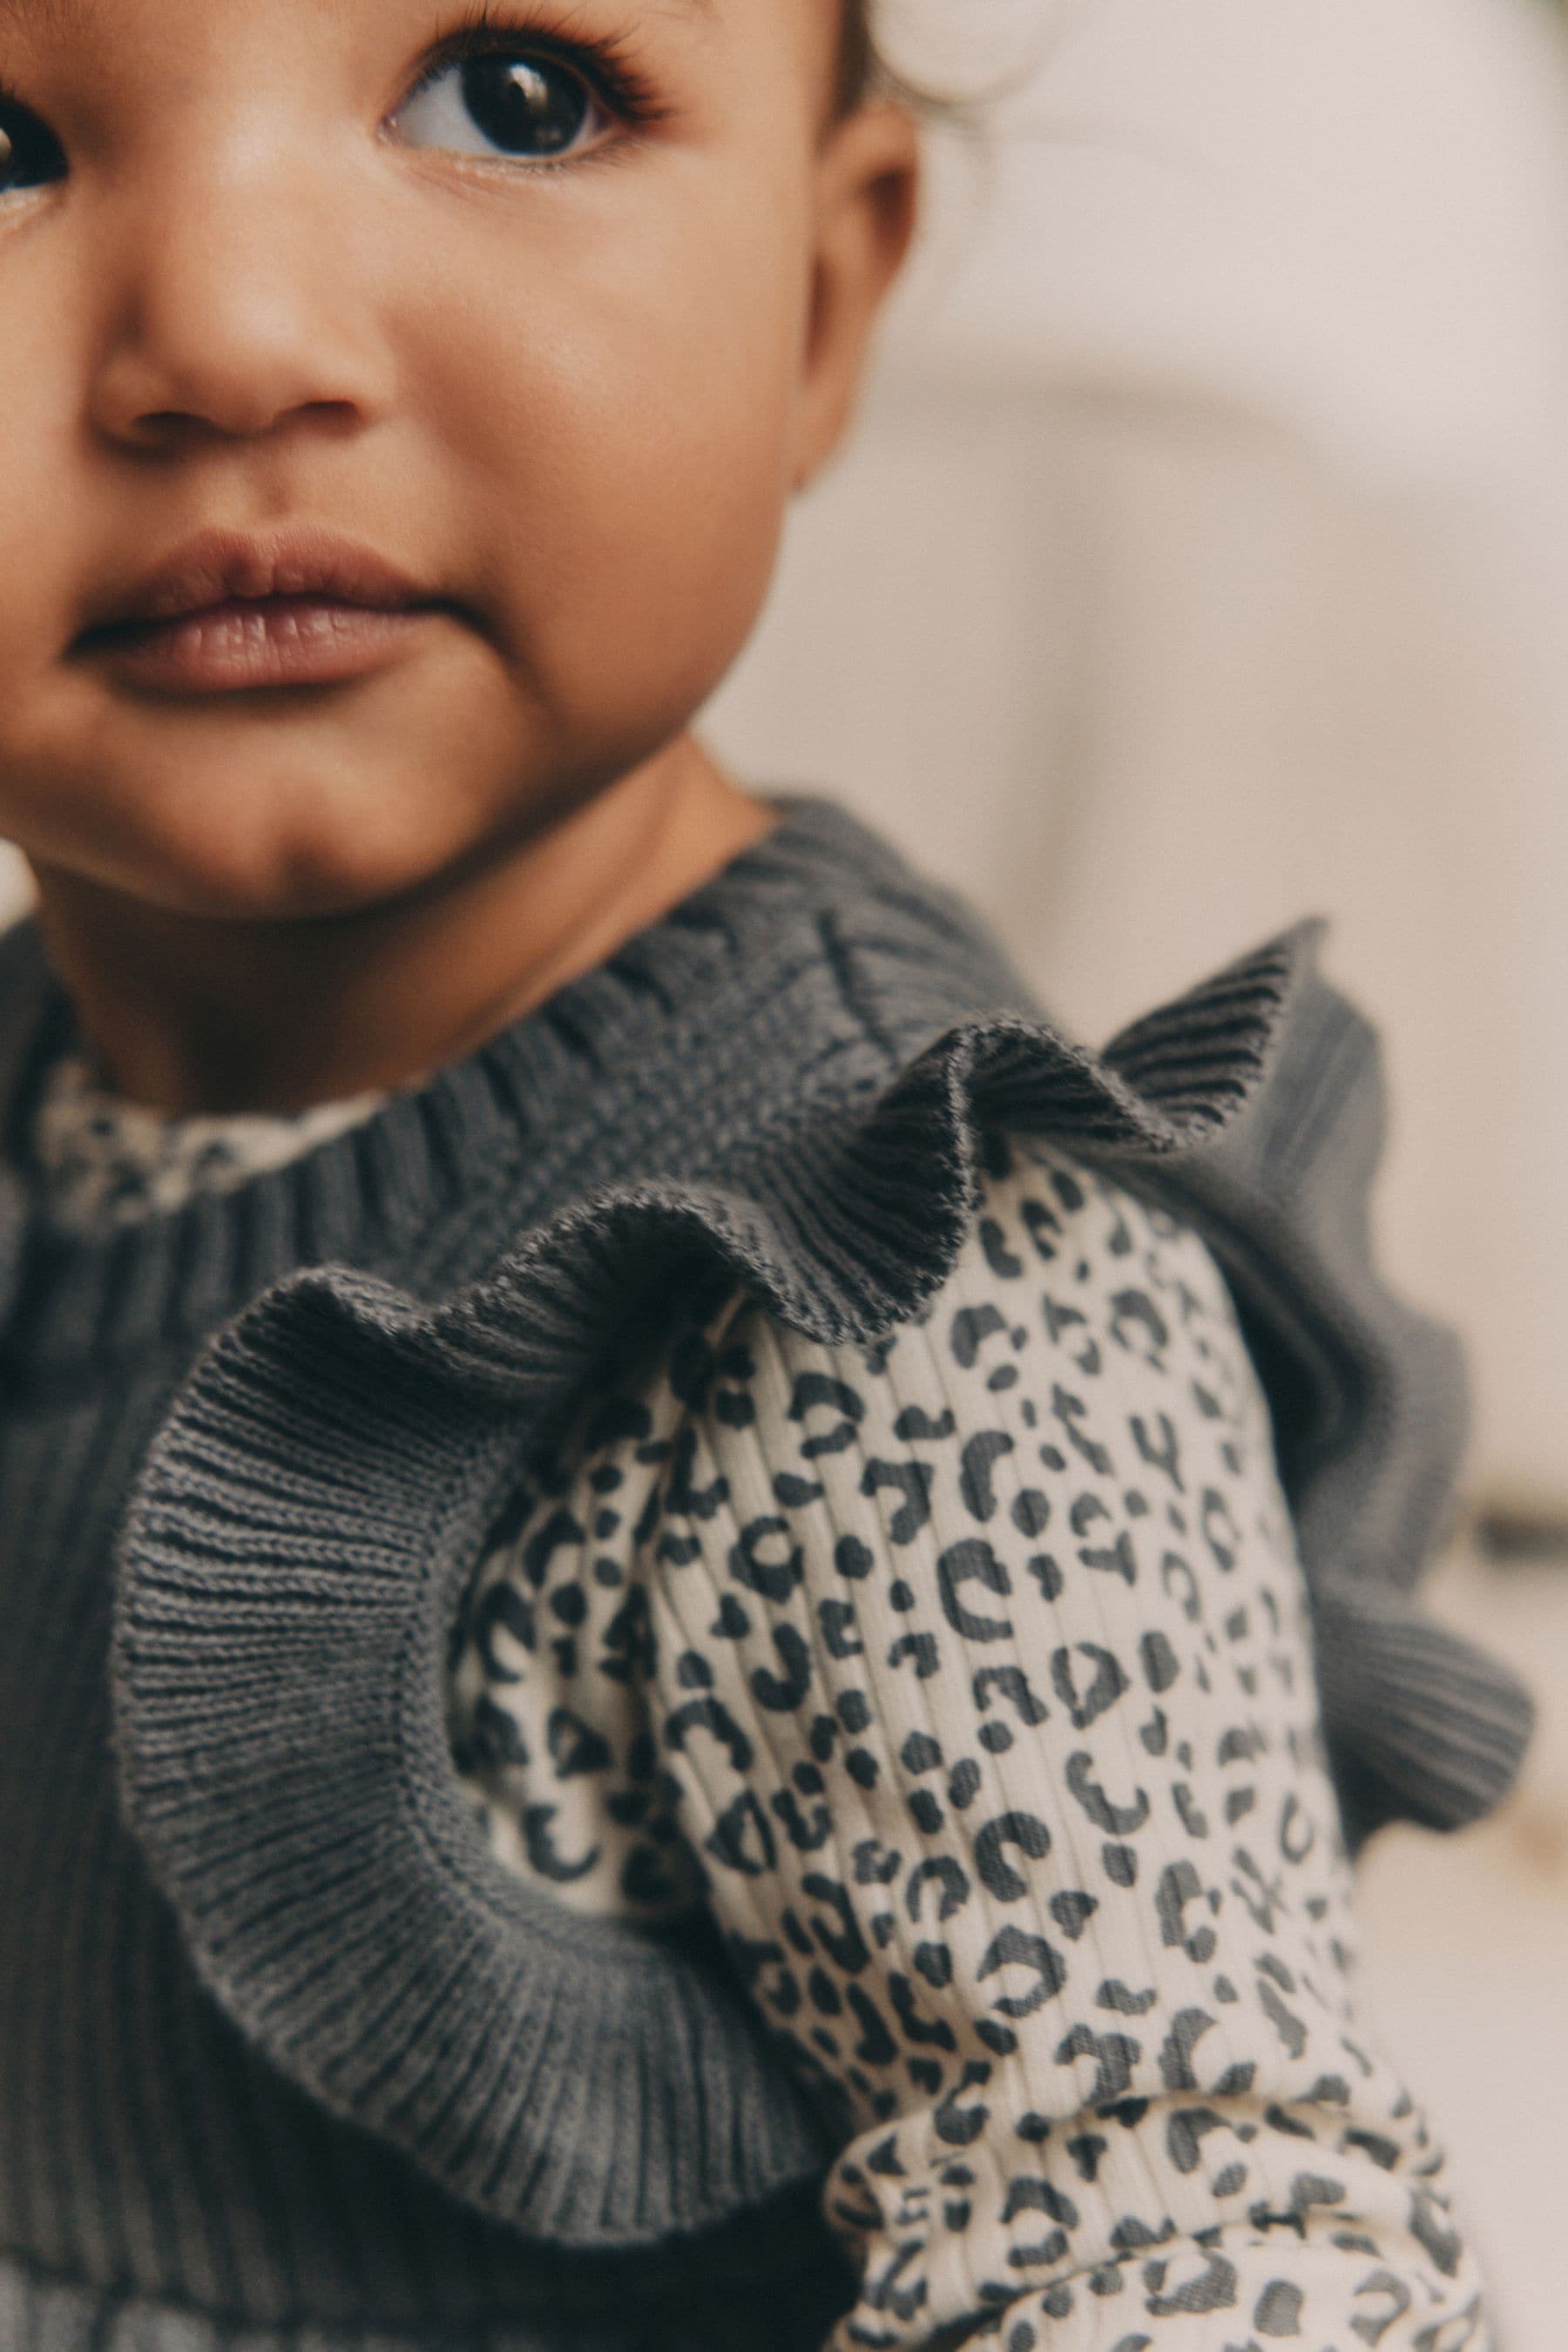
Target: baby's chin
(247, 844)
(299, 875)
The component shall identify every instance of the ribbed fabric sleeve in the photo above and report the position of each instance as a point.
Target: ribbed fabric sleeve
(975, 1672)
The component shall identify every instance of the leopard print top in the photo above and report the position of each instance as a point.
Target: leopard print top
(967, 1679)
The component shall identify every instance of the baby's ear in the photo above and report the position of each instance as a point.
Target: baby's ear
(866, 189)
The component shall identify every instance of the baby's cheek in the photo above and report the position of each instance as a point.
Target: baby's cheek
(671, 588)
(49, 535)
(632, 585)
(630, 466)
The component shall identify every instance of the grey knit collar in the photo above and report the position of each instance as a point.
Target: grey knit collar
(431, 1188)
(784, 1086)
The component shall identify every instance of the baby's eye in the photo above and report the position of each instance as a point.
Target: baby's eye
(31, 155)
(528, 106)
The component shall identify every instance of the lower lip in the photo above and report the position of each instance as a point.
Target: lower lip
(238, 647)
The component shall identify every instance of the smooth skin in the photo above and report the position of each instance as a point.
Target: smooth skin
(573, 398)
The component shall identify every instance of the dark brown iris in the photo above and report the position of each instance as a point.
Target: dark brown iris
(528, 106)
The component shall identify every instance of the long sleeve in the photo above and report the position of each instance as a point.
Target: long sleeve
(967, 1678)
(984, 1677)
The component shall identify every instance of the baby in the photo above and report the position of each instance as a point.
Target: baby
(695, 1624)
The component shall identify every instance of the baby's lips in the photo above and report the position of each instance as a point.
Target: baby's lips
(220, 567)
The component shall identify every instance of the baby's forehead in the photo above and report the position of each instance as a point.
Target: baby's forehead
(428, 20)
(81, 27)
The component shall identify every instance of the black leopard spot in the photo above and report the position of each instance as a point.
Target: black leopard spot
(1023, 1830)
(972, 1560)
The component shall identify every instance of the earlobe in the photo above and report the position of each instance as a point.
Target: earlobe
(868, 191)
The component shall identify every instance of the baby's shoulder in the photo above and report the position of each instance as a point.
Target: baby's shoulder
(1055, 1472)
(1082, 1334)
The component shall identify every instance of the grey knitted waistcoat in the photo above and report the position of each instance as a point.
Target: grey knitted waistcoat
(287, 2058)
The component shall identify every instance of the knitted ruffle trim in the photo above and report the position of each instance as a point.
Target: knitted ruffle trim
(283, 1603)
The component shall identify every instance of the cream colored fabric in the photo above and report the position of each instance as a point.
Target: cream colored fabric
(108, 1162)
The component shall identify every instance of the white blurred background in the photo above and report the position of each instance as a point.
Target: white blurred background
(1202, 561)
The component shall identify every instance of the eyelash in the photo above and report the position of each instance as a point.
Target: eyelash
(486, 30)
(10, 104)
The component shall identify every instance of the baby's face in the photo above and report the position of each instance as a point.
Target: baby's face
(547, 308)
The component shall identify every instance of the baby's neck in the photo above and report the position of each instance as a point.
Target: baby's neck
(190, 1015)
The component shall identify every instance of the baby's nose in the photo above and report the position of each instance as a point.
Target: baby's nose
(236, 308)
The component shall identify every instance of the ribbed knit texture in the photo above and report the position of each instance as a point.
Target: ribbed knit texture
(282, 2066)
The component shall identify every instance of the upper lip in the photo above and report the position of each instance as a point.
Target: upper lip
(222, 567)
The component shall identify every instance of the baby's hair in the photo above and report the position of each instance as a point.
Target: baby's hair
(857, 61)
